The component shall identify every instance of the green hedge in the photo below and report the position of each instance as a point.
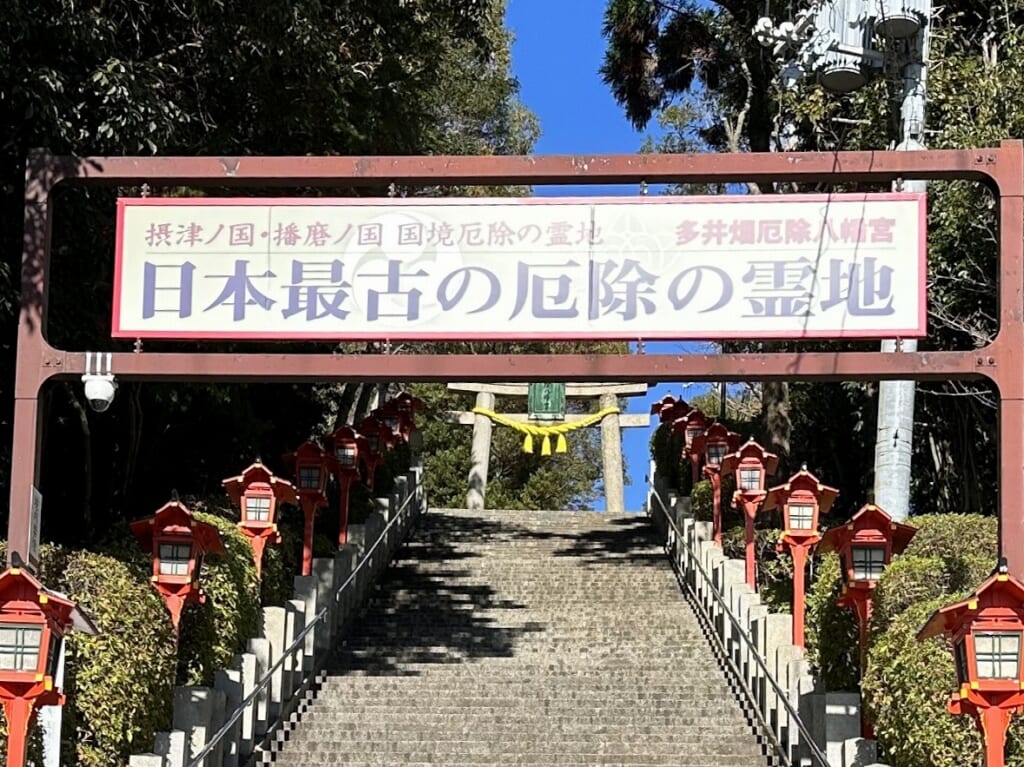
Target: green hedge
(954, 535)
(906, 688)
(214, 632)
(831, 633)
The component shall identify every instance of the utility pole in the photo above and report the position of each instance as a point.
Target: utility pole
(834, 40)
(894, 445)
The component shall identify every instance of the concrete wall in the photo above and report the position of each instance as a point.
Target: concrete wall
(199, 712)
(832, 719)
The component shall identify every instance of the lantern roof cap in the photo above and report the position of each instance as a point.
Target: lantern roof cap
(405, 397)
(1000, 589)
(175, 515)
(802, 480)
(750, 449)
(869, 518)
(283, 490)
(19, 582)
(665, 402)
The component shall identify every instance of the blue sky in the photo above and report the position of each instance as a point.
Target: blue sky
(556, 57)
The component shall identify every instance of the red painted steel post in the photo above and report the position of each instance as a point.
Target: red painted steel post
(799, 564)
(344, 486)
(309, 506)
(19, 713)
(994, 722)
(749, 510)
(716, 500)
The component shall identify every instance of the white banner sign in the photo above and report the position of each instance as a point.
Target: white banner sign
(772, 266)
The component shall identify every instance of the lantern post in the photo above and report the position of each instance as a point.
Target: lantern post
(409, 406)
(178, 543)
(751, 464)
(985, 631)
(866, 546)
(376, 435)
(803, 499)
(33, 624)
(311, 484)
(344, 447)
(715, 443)
(692, 426)
(258, 494)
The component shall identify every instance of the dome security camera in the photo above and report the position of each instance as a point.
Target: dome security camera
(99, 391)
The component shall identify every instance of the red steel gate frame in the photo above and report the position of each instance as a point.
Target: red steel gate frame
(1000, 362)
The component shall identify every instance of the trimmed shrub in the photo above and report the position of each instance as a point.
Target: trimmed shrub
(212, 633)
(907, 581)
(119, 683)
(831, 634)
(954, 535)
(906, 688)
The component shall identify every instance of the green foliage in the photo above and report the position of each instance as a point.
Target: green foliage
(906, 688)
(119, 682)
(212, 633)
(702, 501)
(774, 569)
(831, 632)
(954, 535)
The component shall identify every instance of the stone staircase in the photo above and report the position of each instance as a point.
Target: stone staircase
(526, 638)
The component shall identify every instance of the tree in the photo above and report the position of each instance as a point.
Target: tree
(202, 77)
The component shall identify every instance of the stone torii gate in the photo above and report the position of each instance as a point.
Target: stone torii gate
(611, 431)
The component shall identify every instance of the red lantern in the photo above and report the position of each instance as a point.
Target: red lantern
(715, 443)
(866, 545)
(33, 622)
(377, 437)
(751, 464)
(669, 409)
(986, 633)
(257, 493)
(178, 544)
(802, 499)
(692, 426)
(311, 475)
(344, 447)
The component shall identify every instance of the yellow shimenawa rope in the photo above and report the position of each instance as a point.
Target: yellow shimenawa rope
(547, 432)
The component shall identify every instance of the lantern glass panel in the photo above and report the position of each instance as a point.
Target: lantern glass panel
(868, 562)
(391, 423)
(960, 655)
(257, 508)
(19, 646)
(175, 558)
(715, 454)
(997, 654)
(692, 433)
(346, 455)
(309, 477)
(373, 442)
(801, 516)
(53, 658)
(750, 479)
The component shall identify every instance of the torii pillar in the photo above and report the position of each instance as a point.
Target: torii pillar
(611, 432)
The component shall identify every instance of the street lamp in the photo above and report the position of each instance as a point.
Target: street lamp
(985, 631)
(311, 474)
(691, 426)
(866, 545)
(344, 447)
(803, 499)
(715, 443)
(178, 543)
(33, 623)
(257, 493)
(751, 464)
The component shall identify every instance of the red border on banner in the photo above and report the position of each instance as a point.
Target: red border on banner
(398, 335)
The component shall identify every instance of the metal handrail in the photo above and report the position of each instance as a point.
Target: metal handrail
(816, 753)
(265, 680)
